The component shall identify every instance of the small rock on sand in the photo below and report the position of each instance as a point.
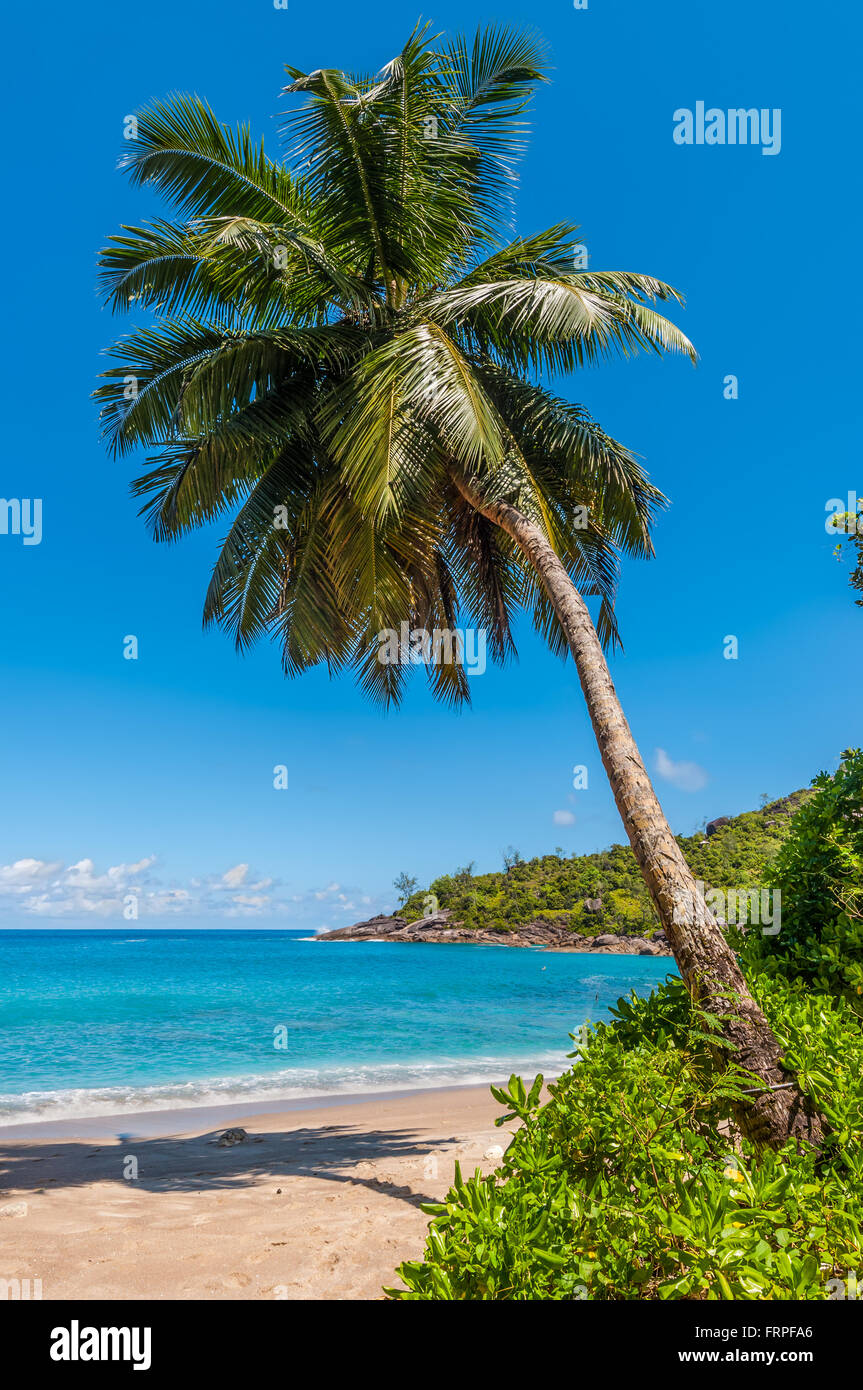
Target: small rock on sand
(231, 1136)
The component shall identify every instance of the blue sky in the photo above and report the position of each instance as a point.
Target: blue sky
(160, 770)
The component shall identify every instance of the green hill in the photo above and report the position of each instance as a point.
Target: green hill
(594, 893)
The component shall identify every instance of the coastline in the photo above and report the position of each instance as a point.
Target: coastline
(439, 928)
(317, 1201)
(408, 1020)
(167, 1123)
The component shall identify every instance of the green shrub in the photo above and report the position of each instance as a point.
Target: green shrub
(624, 1185)
(819, 871)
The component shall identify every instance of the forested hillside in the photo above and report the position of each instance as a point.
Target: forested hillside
(605, 892)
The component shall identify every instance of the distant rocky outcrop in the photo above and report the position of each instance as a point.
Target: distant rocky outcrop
(714, 825)
(438, 929)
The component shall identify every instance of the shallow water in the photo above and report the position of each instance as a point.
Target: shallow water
(111, 1022)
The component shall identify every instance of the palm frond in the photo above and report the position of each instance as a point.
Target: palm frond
(334, 337)
(417, 378)
(560, 324)
(186, 374)
(493, 81)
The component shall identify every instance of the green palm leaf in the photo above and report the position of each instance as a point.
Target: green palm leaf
(336, 338)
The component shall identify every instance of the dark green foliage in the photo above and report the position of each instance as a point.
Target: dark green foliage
(555, 889)
(819, 871)
(405, 885)
(624, 1185)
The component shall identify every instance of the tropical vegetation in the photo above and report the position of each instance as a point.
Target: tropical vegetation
(605, 892)
(819, 872)
(631, 1180)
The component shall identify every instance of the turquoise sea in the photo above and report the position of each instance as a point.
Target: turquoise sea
(105, 1022)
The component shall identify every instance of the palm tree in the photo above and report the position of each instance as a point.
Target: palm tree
(344, 358)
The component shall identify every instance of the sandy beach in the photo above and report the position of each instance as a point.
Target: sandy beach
(318, 1203)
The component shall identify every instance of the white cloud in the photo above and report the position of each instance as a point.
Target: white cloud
(123, 871)
(328, 891)
(167, 902)
(563, 818)
(21, 876)
(80, 892)
(687, 777)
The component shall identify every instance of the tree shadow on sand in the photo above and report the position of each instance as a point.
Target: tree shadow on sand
(197, 1163)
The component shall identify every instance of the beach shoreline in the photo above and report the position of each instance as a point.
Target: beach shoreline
(168, 1123)
(316, 1202)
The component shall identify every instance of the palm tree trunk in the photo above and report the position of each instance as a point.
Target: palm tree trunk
(707, 964)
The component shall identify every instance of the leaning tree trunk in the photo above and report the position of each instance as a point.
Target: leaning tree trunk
(708, 965)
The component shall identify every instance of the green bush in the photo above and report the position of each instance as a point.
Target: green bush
(624, 1185)
(819, 871)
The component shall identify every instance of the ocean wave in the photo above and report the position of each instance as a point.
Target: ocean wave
(289, 1084)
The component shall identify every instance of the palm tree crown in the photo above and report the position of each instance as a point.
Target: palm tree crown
(344, 340)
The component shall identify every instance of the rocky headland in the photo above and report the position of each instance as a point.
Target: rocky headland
(439, 929)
